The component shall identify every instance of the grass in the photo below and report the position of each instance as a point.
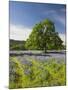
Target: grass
(36, 74)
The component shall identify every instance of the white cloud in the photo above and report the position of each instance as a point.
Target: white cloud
(47, 12)
(22, 33)
(60, 19)
(56, 16)
(62, 36)
(19, 32)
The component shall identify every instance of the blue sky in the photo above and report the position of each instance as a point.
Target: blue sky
(24, 15)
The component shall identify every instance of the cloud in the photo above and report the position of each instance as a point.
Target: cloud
(60, 19)
(19, 32)
(48, 12)
(62, 36)
(56, 15)
(22, 33)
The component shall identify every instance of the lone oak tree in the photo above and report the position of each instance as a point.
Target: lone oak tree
(44, 37)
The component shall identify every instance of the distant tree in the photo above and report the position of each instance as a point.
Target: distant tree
(44, 37)
(17, 45)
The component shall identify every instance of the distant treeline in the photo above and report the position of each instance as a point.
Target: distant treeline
(20, 45)
(17, 45)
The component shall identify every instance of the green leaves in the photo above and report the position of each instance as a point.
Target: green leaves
(44, 37)
(36, 74)
(15, 73)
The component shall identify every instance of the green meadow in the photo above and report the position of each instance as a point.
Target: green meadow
(36, 73)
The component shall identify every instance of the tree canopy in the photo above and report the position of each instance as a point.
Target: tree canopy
(44, 37)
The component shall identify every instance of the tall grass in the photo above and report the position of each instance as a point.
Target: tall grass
(36, 74)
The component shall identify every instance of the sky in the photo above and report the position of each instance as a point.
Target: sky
(24, 15)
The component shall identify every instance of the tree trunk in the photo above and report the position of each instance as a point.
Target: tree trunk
(45, 50)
